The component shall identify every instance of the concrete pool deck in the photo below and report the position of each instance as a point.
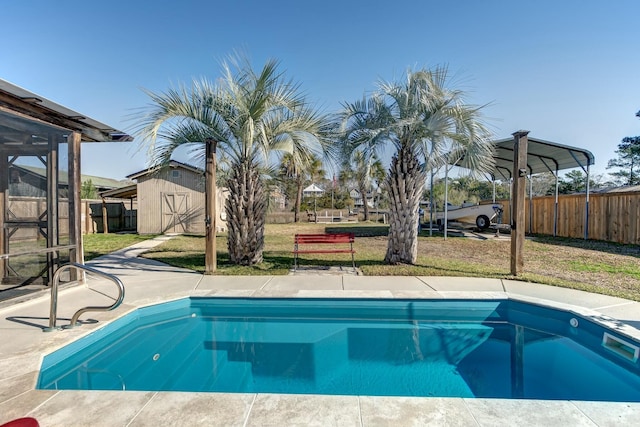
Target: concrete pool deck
(23, 345)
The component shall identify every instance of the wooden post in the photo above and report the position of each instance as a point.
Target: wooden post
(519, 185)
(4, 185)
(75, 228)
(130, 214)
(105, 217)
(210, 207)
(53, 225)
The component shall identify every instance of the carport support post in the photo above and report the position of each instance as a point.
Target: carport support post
(210, 207)
(586, 208)
(519, 186)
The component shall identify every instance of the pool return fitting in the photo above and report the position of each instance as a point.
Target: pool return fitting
(74, 320)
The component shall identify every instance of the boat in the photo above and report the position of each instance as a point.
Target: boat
(468, 213)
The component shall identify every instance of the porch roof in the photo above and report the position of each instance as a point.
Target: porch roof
(30, 119)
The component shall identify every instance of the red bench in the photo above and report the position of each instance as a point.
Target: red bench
(322, 239)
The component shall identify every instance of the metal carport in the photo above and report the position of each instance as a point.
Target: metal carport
(542, 156)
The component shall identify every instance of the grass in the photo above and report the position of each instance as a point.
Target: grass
(593, 266)
(100, 244)
(628, 269)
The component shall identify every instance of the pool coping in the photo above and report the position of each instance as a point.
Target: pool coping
(23, 346)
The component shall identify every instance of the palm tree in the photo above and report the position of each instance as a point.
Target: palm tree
(363, 170)
(290, 168)
(248, 116)
(428, 125)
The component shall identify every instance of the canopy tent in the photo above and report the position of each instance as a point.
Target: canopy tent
(542, 156)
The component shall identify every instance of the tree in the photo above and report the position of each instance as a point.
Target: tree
(88, 190)
(628, 161)
(466, 189)
(363, 169)
(543, 184)
(300, 173)
(572, 182)
(428, 125)
(247, 116)
(575, 182)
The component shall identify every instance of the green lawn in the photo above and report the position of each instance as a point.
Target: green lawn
(594, 266)
(101, 244)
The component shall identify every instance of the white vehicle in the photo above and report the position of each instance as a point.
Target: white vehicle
(481, 215)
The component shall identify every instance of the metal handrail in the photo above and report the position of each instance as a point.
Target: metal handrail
(74, 320)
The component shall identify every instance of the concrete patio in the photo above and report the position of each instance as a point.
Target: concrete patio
(24, 344)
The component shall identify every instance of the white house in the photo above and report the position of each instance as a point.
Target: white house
(357, 198)
(312, 190)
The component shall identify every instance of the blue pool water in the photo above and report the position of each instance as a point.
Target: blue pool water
(502, 349)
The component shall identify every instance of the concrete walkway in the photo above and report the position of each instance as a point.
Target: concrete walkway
(23, 345)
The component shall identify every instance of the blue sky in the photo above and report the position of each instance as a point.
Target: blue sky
(565, 70)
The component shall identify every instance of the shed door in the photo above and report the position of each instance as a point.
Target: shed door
(174, 212)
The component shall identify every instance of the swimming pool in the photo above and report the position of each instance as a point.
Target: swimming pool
(449, 348)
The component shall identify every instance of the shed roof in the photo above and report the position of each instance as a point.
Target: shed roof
(128, 192)
(173, 164)
(622, 189)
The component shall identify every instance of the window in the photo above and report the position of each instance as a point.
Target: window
(175, 174)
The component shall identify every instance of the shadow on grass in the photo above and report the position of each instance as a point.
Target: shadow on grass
(276, 263)
(360, 231)
(595, 245)
(379, 267)
(271, 264)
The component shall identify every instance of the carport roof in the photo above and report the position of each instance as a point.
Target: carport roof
(542, 156)
(128, 192)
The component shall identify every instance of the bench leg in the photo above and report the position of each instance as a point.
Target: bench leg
(353, 259)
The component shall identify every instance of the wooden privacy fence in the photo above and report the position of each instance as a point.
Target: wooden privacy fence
(120, 216)
(614, 217)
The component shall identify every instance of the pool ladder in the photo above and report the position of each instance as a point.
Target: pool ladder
(74, 320)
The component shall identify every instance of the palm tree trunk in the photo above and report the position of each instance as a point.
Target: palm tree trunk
(365, 205)
(405, 183)
(246, 212)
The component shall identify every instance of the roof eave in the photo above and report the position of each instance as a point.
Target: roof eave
(36, 107)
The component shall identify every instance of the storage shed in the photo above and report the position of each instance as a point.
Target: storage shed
(171, 200)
